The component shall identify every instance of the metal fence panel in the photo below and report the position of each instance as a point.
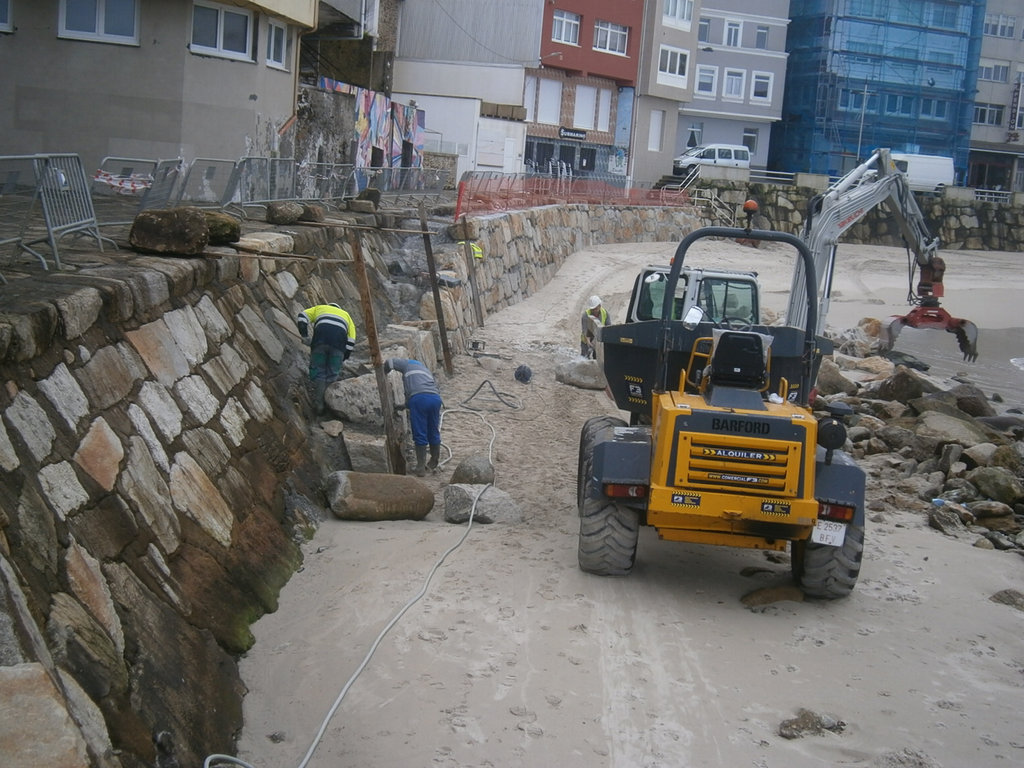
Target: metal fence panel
(208, 181)
(17, 193)
(264, 179)
(123, 176)
(323, 181)
(63, 191)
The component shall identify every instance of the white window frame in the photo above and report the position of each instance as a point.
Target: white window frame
(565, 27)
(732, 36)
(734, 84)
(934, 109)
(549, 101)
(656, 131)
(585, 107)
(704, 30)
(989, 114)
(6, 25)
(761, 37)
(678, 13)
(530, 98)
(670, 61)
(604, 110)
(100, 35)
(706, 74)
(751, 136)
(1000, 25)
(275, 28)
(220, 51)
(994, 71)
(761, 77)
(615, 37)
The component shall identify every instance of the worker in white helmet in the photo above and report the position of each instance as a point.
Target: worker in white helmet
(594, 316)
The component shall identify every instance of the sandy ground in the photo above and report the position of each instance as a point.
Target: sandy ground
(514, 657)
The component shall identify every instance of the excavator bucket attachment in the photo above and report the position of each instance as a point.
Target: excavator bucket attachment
(965, 331)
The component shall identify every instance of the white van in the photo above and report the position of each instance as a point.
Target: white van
(731, 155)
(926, 173)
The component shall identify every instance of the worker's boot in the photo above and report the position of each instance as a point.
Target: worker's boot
(319, 387)
(421, 461)
(435, 455)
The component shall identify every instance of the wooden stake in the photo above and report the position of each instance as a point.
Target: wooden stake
(396, 458)
(467, 248)
(437, 293)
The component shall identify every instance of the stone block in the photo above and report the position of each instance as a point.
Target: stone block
(371, 496)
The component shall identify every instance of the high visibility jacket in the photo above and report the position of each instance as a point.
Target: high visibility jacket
(601, 318)
(331, 326)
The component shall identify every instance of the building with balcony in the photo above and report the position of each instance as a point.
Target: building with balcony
(739, 76)
(876, 73)
(997, 132)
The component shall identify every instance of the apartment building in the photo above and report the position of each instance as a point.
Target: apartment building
(149, 78)
(578, 99)
(739, 76)
(878, 73)
(997, 130)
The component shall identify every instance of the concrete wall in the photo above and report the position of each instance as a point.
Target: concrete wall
(156, 99)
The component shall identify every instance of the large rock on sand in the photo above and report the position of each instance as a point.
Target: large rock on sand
(375, 496)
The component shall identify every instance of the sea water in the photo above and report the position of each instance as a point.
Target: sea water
(999, 369)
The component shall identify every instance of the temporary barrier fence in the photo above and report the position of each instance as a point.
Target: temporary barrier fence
(324, 182)
(17, 193)
(207, 183)
(260, 180)
(489, 191)
(402, 186)
(63, 192)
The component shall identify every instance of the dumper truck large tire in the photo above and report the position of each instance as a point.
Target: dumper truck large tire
(590, 429)
(829, 572)
(608, 531)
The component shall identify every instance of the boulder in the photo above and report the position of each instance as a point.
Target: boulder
(994, 515)
(972, 401)
(492, 506)
(181, 231)
(997, 483)
(283, 212)
(831, 380)
(373, 496)
(224, 228)
(904, 385)
(585, 374)
(312, 212)
(474, 470)
(943, 428)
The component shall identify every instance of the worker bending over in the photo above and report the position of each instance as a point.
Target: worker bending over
(332, 340)
(593, 316)
(423, 399)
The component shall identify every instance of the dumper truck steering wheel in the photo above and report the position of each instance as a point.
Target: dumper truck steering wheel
(734, 323)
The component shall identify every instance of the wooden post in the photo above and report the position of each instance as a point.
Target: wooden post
(446, 350)
(473, 282)
(396, 458)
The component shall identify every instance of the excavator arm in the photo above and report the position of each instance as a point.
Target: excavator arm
(845, 203)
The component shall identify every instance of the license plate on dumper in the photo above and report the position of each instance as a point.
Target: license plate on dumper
(829, 532)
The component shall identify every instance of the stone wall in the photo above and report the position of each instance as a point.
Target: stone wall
(157, 470)
(959, 221)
